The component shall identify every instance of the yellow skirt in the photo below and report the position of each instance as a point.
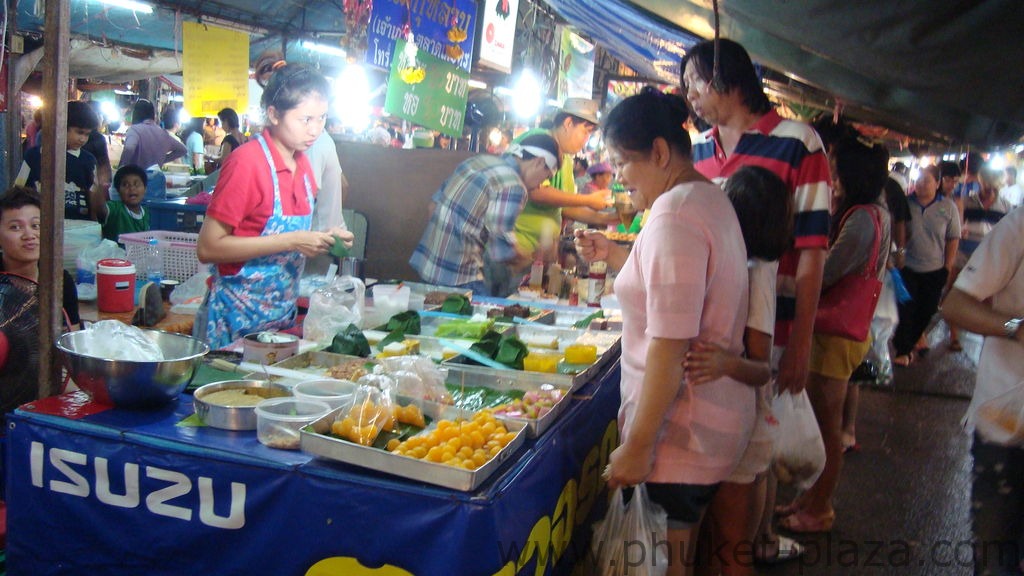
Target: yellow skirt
(836, 357)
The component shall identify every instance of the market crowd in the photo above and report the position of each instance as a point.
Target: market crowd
(765, 247)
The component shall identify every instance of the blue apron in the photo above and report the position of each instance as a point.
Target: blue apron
(260, 296)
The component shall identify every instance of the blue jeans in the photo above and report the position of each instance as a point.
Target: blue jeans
(997, 503)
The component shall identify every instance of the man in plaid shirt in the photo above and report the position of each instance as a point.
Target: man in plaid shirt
(476, 210)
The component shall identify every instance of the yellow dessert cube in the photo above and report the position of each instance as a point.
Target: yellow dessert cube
(581, 354)
(541, 362)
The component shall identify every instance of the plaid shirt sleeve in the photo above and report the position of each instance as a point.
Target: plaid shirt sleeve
(508, 196)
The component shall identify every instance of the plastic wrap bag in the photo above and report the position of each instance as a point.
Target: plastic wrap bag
(115, 340)
(188, 296)
(417, 377)
(333, 307)
(630, 540)
(85, 263)
(1001, 419)
(799, 449)
(883, 326)
(367, 415)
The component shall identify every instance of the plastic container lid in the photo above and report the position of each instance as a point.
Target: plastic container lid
(115, 266)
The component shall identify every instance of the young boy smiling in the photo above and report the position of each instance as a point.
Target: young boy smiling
(127, 214)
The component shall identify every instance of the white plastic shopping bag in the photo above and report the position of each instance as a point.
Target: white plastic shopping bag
(1001, 419)
(631, 540)
(799, 449)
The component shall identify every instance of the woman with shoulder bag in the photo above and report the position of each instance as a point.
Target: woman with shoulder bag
(850, 287)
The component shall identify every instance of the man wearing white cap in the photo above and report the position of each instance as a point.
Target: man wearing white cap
(474, 213)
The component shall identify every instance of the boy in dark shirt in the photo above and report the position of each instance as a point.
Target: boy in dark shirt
(80, 166)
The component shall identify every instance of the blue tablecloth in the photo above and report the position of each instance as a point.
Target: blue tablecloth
(129, 493)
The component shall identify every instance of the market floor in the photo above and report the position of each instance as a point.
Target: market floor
(902, 504)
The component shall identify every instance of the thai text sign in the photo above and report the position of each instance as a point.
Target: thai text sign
(427, 91)
(444, 28)
(215, 65)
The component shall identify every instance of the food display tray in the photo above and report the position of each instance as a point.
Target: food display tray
(569, 317)
(315, 439)
(573, 381)
(503, 381)
(315, 363)
(538, 315)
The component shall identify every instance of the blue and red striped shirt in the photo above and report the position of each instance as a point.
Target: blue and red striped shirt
(793, 151)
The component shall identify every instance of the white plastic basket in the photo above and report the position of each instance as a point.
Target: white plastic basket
(178, 252)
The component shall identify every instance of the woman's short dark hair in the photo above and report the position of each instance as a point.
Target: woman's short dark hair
(735, 71)
(142, 111)
(229, 118)
(19, 197)
(947, 168)
(128, 170)
(764, 208)
(290, 84)
(862, 169)
(640, 119)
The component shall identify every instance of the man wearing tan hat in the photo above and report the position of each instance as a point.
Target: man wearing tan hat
(571, 128)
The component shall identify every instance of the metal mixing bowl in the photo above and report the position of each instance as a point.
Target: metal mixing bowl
(131, 384)
(234, 417)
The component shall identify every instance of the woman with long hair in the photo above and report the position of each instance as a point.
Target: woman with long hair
(860, 236)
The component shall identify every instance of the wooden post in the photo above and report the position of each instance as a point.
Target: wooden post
(57, 46)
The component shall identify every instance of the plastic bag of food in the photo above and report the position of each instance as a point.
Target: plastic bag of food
(366, 416)
(333, 307)
(1001, 419)
(627, 542)
(417, 377)
(115, 340)
(187, 297)
(799, 449)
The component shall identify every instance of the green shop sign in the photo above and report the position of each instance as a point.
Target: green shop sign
(426, 90)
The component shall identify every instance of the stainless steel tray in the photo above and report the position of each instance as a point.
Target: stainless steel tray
(607, 343)
(315, 363)
(568, 318)
(539, 315)
(515, 380)
(315, 440)
(574, 381)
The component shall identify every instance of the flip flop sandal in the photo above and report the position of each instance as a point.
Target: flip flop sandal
(903, 360)
(787, 509)
(788, 549)
(803, 523)
(855, 447)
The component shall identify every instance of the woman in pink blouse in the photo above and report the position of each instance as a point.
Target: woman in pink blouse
(685, 279)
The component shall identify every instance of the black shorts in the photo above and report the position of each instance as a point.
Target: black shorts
(684, 503)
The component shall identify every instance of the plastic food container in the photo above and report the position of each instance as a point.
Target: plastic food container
(269, 347)
(334, 393)
(279, 420)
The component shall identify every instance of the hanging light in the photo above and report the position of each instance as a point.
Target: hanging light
(129, 5)
(352, 97)
(527, 95)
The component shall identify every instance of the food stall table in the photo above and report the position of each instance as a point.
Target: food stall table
(96, 490)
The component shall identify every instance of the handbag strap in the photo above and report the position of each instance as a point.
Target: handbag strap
(872, 266)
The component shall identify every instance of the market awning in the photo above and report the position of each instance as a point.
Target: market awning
(945, 71)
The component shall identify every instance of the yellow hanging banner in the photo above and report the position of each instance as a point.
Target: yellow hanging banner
(216, 69)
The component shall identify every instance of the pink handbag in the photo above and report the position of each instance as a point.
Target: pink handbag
(846, 308)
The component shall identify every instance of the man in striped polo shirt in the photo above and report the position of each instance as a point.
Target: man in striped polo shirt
(726, 93)
(746, 130)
